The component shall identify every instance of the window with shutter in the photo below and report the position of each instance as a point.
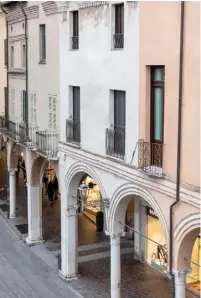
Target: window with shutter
(12, 110)
(33, 109)
(35, 116)
(52, 112)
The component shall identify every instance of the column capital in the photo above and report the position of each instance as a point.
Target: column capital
(12, 171)
(115, 240)
(72, 210)
(180, 276)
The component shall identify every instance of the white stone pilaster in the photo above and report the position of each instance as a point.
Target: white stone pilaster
(115, 266)
(34, 214)
(12, 193)
(180, 283)
(139, 226)
(69, 266)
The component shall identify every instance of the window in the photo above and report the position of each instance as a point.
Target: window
(33, 109)
(42, 43)
(12, 56)
(157, 113)
(52, 113)
(118, 38)
(23, 55)
(6, 52)
(12, 105)
(75, 31)
(119, 121)
(73, 124)
(23, 106)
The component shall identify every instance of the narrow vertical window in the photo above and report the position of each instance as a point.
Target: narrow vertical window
(12, 56)
(42, 43)
(6, 52)
(119, 26)
(23, 107)
(76, 114)
(52, 113)
(23, 55)
(12, 106)
(119, 122)
(157, 113)
(75, 31)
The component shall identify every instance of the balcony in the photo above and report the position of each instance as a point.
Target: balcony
(8, 127)
(27, 136)
(118, 41)
(115, 143)
(73, 131)
(75, 42)
(47, 144)
(150, 157)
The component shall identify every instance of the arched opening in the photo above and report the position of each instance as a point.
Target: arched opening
(45, 174)
(189, 257)
(90, 211)
(149, 242)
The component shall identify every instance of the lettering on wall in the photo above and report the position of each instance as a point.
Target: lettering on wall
(151, 212)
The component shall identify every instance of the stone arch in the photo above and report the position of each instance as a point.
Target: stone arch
(73, 177)
(119, 203)
(37, 169)
(185, 235)
(14, 151)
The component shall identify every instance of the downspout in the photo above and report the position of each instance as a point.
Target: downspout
(7, 67)
(179, 135)
(26, 45)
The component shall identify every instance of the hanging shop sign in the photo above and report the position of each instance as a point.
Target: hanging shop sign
(151, 212)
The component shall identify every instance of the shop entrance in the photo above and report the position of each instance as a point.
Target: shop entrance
(90, 212)
(193, 278)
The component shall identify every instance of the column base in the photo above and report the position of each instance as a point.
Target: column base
(34, 242)
(12, 216)
(68, 278)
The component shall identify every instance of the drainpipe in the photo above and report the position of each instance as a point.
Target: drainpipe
(179, 134)
(7, 78)
(26, 45)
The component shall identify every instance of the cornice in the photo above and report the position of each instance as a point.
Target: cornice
(16, 38)
(52, 7)
(15, 16)
(87, 4)
(32, 12)
(131, 174)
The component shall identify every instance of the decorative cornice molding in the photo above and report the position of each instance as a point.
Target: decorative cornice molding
(15, 16)
(32, 12)
(87, 4)
(52, 7)
(16, 37)
(131, 175)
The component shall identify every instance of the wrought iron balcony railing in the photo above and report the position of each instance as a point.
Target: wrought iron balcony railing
(27, 136)
(8, 127)
(75, 42)
(150, 157)
(115, 143)
(47, 143)
(118, 40)
(73, 131)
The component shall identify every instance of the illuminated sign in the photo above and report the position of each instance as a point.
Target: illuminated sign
(151, 212)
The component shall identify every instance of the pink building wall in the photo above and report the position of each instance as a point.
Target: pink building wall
(159, 43)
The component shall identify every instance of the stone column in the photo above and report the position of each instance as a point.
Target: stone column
(115, 266)
(180, 283)
(69, 243)
(12, 193)
(34, 215)
(139, 226)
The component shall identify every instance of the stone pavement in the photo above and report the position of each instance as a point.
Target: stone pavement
(23, 274)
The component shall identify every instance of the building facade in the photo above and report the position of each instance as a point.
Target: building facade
(3, 70)
(108, 93)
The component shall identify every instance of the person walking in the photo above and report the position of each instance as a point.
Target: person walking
(45, 180)
(50, 193)
(55, 187)
(24, 170)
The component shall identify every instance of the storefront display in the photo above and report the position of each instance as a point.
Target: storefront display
(157, 253)
(193, 278)
(91, 205)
